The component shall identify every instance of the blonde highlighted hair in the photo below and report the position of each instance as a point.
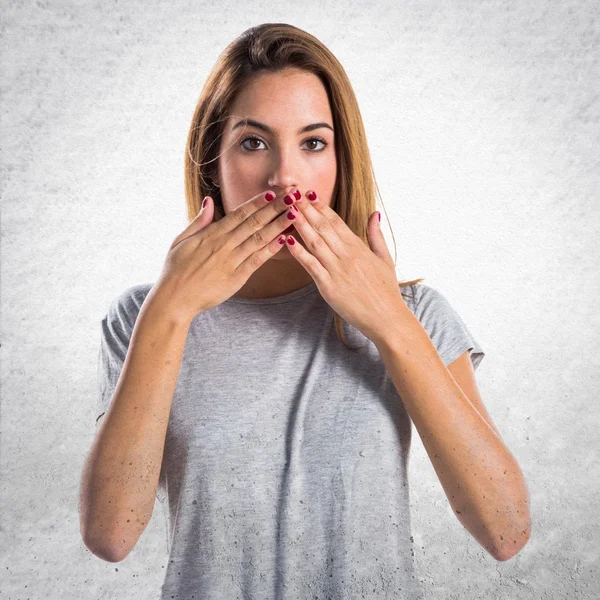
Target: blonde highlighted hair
(273, 47)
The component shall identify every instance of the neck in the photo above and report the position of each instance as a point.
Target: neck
(274, 278)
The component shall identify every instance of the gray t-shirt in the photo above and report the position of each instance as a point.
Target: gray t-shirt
(284, 472)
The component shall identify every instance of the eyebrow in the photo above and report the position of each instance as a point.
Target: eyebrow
(253, 123)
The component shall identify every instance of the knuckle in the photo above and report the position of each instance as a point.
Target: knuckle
(239, 215)
(256, 260)
(337, 221)
(338, 225)
(319, 243)
(254, 221)
(259, 237)
(321, 224)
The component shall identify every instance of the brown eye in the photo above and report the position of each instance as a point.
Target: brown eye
(250, 139)
(317, 139)
(255, 139)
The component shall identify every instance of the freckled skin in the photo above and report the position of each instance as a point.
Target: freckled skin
(457, 440)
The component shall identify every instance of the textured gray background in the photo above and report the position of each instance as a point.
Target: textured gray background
(483, 122)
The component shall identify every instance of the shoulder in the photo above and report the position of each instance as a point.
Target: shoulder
(444, 324)
(421, 297)
(127, 304)
(433, 310)
(409, 294)
(427, 301)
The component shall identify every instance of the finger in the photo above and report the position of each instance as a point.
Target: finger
(328, 224)
(263, 245)
(268, 235)
(319, 207)
(320, 237)
(199, 222)
(314, 268)
(376, 240)
(253, 215)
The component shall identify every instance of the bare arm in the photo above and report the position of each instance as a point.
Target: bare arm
(120, 476)
(480, 476)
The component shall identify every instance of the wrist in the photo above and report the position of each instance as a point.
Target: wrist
(161, 306)
(399, 329)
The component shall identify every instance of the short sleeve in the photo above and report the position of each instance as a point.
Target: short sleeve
(445, 327)
(116, 328)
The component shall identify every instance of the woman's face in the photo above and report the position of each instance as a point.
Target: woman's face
(253, 160)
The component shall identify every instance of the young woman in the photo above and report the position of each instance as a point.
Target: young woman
(264, 386)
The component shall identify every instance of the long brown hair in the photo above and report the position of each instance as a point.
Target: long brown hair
(273, 47)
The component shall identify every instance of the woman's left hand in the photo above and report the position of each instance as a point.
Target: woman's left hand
(357, 282)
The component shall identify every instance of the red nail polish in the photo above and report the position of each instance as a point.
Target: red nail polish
(290, 241)
(297, 194)
(281, 240)
(269, 196)
(311, 196)
(379, 215)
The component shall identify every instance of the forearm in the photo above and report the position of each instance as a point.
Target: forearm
(120, 476)
(481, 478)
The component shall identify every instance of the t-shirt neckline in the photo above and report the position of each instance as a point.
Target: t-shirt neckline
(289, 297)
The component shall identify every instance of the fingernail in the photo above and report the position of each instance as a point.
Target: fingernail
(311, 196)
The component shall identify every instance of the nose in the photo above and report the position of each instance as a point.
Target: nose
(283, 175)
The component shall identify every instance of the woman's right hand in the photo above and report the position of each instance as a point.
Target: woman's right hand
(208, 262)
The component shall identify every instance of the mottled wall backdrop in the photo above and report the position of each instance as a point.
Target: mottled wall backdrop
(483, 122)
